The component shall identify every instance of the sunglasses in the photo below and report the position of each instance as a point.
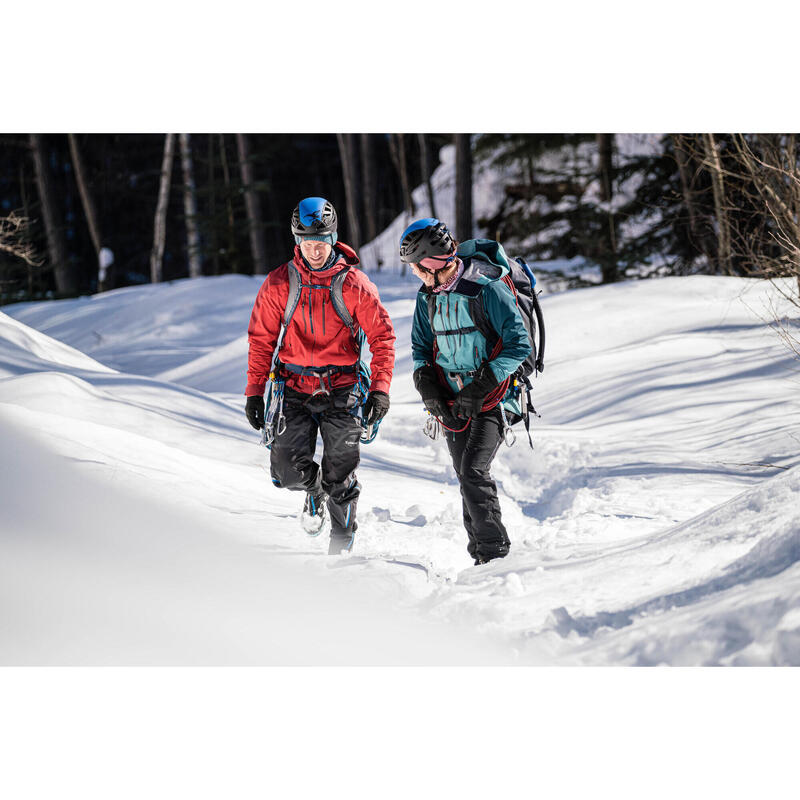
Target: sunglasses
(433, 263)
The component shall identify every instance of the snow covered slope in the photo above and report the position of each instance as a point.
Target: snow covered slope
(655, 522)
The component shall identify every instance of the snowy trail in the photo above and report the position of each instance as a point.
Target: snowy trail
(643, 528)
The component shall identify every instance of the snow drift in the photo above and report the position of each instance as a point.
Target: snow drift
(654, 522)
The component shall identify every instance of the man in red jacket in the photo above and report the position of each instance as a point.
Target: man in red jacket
(315, 349)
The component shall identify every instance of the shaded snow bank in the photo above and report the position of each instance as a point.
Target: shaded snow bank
(92, 573)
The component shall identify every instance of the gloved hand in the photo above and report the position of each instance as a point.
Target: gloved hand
(254, 408)
(376, 407)
(437, 407)
(441, 410)
(470, 399)
(427, 382)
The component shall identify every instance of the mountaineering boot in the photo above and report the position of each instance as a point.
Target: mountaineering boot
(486, 559)
(342, 542)
(313, 517)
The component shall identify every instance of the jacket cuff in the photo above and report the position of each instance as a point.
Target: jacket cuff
(257, 389)
(380, 385)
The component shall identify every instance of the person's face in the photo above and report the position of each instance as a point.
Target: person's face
(426, 277)
(443, 265)
(316, 253)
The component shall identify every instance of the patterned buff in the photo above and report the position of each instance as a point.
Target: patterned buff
(446, 287)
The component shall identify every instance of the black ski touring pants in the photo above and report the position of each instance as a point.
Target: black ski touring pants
(292, 456)
(472, 452)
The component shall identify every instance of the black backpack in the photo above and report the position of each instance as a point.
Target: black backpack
(522, 283)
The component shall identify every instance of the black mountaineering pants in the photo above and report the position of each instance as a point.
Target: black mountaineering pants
(292, 456)
(472, 452)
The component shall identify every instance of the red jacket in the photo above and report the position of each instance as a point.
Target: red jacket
(316, 337)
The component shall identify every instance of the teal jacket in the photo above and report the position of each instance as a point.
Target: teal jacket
(461, 348)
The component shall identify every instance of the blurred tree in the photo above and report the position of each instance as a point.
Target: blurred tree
(105, 186)
(397, 147)
(426, 171)
(232, 251)
(160, 222)
(347, 154)
(65, 275)
(713, 163)
(105, 258)
(369, 186)
(608, 250)
(463, 186)
(190, 208)
(701, 231)
(253, 206)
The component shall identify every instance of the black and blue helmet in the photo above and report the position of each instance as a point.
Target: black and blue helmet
(315, 218)
(425, 238)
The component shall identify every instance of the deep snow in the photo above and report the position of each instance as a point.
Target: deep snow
(655, 522)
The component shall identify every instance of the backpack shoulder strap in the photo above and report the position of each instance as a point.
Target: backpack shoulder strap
(288, 312)
(337, 299)
(431, 301)
(481, 319)
(294, 294)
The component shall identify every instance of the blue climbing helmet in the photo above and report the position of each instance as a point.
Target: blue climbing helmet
(315, 218)
(425, 238)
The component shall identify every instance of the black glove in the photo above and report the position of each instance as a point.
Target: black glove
(427, 382)
(254, 408)
(437, 407)
(442, 412)
(376, 407)
(469, 401)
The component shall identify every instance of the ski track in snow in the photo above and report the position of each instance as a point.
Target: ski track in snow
(655, 522)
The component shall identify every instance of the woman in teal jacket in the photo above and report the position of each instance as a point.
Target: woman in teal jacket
(461, 374)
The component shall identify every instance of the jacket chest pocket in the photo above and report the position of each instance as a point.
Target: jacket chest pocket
(461, 346)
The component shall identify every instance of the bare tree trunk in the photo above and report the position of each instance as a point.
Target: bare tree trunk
(346, 154)
(212, 207)
(190, 208)
(253, 206)
(687, 149)
(397, 149)
(682, 159)
(714, 165)
(369, 186)
(231, 253)
(160, 222)
(65, 276)
(105, 257)
(605, 147)
(463, 186)
(426, 170)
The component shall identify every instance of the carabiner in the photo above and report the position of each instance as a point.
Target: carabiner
(432, 428)
(509, 437)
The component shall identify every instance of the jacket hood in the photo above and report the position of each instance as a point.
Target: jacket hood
(346, 257)
(487, 260)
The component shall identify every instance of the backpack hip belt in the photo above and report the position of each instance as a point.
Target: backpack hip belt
(321, 373)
